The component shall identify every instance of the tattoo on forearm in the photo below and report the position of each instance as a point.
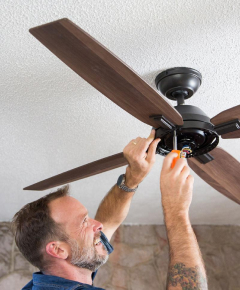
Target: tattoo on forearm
(187, 278)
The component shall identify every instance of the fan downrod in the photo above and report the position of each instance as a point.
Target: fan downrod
(179, 83)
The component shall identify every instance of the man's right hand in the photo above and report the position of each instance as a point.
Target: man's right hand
(185, 255)
(176, 187)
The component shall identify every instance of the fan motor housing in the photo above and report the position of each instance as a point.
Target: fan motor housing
(197, 133)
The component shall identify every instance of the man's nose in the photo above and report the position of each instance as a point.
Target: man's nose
(97, 226)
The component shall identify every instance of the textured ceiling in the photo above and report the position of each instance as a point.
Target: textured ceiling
(52, 121)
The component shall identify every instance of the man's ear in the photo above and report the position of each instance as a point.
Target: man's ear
(57, 249)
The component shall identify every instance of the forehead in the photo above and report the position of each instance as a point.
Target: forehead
(66, 210)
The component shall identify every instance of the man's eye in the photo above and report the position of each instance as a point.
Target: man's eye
(85, 220)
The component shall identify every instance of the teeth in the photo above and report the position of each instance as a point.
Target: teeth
(97, 241)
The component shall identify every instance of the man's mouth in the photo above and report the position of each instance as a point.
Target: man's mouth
(97, 242)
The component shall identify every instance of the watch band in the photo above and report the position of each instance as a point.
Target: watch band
(121, 184)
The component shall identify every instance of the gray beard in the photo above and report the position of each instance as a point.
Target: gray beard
(87, 257)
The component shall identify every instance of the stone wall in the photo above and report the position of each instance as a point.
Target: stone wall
(140, 259)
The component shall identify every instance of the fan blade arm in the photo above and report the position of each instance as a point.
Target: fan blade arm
(87, 170)
(227, 123)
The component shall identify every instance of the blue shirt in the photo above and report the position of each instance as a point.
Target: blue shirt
(49, 282)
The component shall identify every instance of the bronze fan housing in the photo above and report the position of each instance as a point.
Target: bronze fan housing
(197, 132)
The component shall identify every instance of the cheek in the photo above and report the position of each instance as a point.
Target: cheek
(86, 236)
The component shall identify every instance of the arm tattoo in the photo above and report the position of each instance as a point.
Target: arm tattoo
(187, 278)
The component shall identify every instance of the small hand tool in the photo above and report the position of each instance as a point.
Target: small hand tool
(175, 149)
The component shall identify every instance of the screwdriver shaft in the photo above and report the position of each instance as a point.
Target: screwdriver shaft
(174, 140)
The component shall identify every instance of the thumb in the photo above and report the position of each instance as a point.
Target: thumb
(167, 162)
(152, 150)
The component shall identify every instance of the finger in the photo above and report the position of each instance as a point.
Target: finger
(181, 162)
(135, 150)
(144, 143)
(168, 162)
(149, 140)
(138, 138)
(152, 150)
(129, 147)
(141, 146)
(151, 137)
(136, 141)
(185, 173)
(190, 181)
(132, 142)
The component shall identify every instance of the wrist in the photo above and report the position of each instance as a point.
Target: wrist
(175, 218)
(130, 181)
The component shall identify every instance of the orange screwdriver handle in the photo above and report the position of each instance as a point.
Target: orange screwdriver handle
(176, 158)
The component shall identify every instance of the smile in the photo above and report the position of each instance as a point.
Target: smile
(97, 242)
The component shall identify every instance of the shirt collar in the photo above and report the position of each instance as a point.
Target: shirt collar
(41, 279)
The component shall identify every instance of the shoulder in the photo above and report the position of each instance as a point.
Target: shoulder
(29, 286)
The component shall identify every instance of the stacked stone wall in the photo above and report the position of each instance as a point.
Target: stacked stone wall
(140, 259)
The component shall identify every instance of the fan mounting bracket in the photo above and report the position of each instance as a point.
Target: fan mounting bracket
(163, 122)
(205, 158)
(227, 127)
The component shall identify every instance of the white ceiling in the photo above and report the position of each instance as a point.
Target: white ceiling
(52, 120)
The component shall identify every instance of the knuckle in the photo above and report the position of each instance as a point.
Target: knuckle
(173, 177)
(125, 150)
(135, 158)
(152, 161)
(183, 161)
(190, 178)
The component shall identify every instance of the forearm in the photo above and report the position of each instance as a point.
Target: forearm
(113, 209)
(186, 267)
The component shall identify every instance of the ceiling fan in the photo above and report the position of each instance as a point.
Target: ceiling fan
(194, 129)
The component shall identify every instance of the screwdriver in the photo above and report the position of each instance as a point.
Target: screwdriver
(175, 149)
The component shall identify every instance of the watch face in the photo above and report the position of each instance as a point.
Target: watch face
(121, 179)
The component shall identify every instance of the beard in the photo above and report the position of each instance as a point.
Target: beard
(86, 257)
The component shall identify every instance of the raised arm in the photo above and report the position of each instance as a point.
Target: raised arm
(186, 267)
(115, 205)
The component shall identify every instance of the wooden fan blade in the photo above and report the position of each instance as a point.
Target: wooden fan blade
(226, 116)
(222, 173)
(81, 172)
(104, 71)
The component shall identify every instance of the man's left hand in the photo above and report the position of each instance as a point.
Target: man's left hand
(140, 161)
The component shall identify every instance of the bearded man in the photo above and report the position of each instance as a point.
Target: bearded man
(55, 233)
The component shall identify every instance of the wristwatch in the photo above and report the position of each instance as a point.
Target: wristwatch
(121, 184)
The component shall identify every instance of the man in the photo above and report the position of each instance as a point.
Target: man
(56, 234)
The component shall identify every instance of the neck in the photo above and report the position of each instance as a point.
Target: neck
(70, 272)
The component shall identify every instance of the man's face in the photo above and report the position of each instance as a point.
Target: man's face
(84, 233)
